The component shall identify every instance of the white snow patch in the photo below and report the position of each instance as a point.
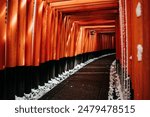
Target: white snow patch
(114, 84)
(139, 52)
(139, 9)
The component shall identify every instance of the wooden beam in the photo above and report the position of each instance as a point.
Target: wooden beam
(86, 7)
(81, 2)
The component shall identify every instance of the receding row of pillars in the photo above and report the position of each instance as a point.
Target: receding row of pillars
(21, 79)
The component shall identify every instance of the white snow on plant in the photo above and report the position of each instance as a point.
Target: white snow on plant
(42, 90)
(138, 10)
(114, 84)
(139, 52)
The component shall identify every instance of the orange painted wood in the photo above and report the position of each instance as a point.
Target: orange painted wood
(71, 47)
(40, 41)
(62, 45)
(38, 33)
(12, 34)
(57, 0)
(118, 42)
(29, 34)
(96, 22)
(32, 43)
(76, 39)
(58, 45)
(54, 38)
(79, 42)
(137, 38)
(86, 7)
(57, 36)
(3, 22)
(146, 47)
(49, 33)
(44, 34)
(90, 13)
(129, 10)
(81, 2)
(22, 8)
(67, 37)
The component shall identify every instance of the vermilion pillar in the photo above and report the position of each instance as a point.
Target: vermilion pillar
(3, 25)
(12, 31)
(137, 38)
(44, 33)
(29, 33)
(118, 43)
(22, 8)
(48, 30)
(38, 32)
(146, 53)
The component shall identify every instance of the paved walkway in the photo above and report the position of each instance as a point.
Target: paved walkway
(89, 83)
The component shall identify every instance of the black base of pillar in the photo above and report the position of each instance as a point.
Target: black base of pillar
(68, 63)
(57, 65)
(51, 67)
(20, 80)
(72, 62)
(27, 85)
(2, 76)
(9, 88)
(132, 91)
(47, 71)
(65, 64)
(77, 60)
(44, 73)
(35, 77)
(62, 65)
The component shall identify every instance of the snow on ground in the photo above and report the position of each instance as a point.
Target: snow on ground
(115, 92)
(42, 90)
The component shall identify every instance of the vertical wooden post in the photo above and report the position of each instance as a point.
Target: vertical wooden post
(146, 48)
(38, 32)
(21, 33)
(44, 34)
(137, 38)
(12, 31)
(3, 25)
